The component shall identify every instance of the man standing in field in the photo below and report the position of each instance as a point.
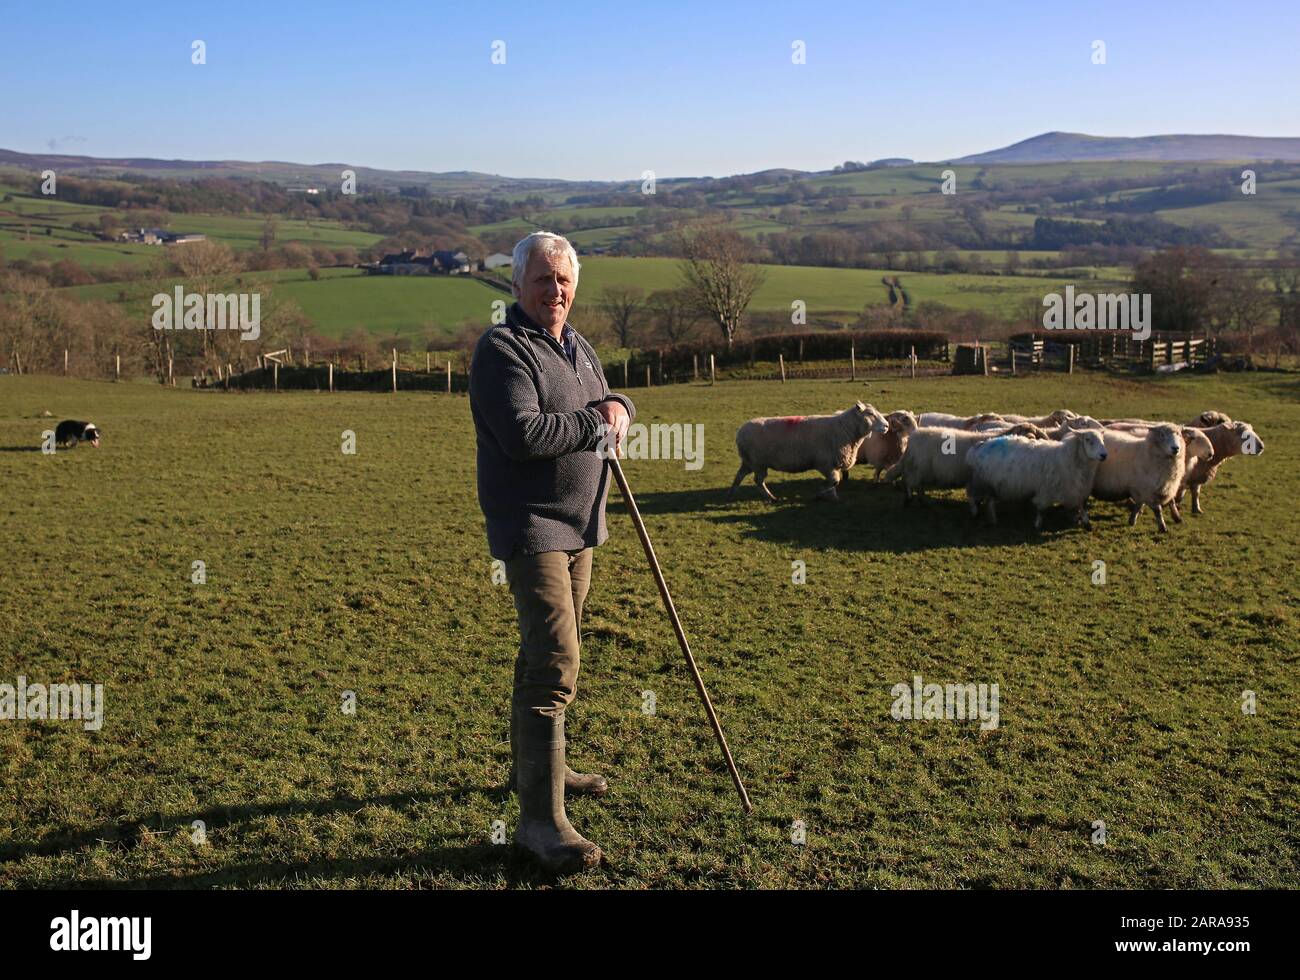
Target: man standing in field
(541, 409)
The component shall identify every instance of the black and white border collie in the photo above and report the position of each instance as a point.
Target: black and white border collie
(72, 432)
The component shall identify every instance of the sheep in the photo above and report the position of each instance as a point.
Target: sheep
(883, 450)
(1146, 467)
(1044, 471)
(1026, 429)
(1228, 439)
(942, 420)
(935, 459)
(1074, 425)
(1059, 417)
(826, 443)
(1208, 419)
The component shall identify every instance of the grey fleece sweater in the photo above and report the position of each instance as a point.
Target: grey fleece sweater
(541, 484)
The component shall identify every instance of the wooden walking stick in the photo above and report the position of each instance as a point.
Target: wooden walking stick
(677, 627)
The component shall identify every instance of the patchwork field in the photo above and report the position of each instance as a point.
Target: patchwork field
(329, 573)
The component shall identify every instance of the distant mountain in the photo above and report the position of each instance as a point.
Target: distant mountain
(280, 172)
(1075, 147)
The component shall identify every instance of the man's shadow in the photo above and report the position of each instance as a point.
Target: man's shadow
(469, 863)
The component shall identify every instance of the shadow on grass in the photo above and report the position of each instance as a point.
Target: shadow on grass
(470, 863)
(21, 449)
(868, 517)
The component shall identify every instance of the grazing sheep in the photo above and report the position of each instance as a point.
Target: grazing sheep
(826, 443)
(935, 459)
(1011, 468)
(883, 450)
(1228, 439)
(942, 420)
(1059, 417)
(1144, 468)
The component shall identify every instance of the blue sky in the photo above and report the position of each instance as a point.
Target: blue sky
(606, 91)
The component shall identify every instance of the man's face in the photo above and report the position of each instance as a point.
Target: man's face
(547, 291)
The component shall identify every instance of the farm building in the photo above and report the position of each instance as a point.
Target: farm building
(496, 260)
(414, 263)
(159, 236)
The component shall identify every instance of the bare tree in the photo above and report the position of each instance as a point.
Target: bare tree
(625, 306)
(675, 313)
(718, 274)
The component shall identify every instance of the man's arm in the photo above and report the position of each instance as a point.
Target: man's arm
(502, 388)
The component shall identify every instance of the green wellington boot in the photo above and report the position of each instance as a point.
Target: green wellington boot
(544, 830)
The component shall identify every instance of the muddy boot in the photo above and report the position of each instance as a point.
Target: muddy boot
(544, 831)
(575, 783)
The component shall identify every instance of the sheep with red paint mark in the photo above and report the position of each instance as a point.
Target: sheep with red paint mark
(793, 444)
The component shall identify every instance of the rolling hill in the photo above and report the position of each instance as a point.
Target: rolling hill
(1074, 147)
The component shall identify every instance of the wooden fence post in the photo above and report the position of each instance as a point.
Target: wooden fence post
(781, 360)
(117, 367)
(713, 375)
(853, 362)
(276, 372)
(331, 376)
(171, 380)
(65, 362)
(912, 358)
(625, 381)
(1070, 360)
(1013, 362)
(426, 363)
(394, 370)
(647, 375)
(449, 377)
(695, 365)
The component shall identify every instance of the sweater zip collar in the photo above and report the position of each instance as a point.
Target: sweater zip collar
(523, 320)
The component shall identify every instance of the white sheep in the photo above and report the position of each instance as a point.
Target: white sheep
(1074, 425)
(883, 450)
(942, 420)
(1051, 420)
(935, 459)
(1046, 472)
(1228, 439)
(795, 443)
(1146, 467)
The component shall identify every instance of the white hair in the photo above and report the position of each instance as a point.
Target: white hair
(548, 243)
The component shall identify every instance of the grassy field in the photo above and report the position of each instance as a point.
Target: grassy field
(369, 573)
(839, 292)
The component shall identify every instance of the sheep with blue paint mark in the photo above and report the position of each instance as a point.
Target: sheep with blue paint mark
(1010, 469)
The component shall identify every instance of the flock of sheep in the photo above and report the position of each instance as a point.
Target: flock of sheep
(1062, 458)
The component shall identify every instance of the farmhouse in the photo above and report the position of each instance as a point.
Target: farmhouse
(159, 236)
(496, 260)
(415, 263)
